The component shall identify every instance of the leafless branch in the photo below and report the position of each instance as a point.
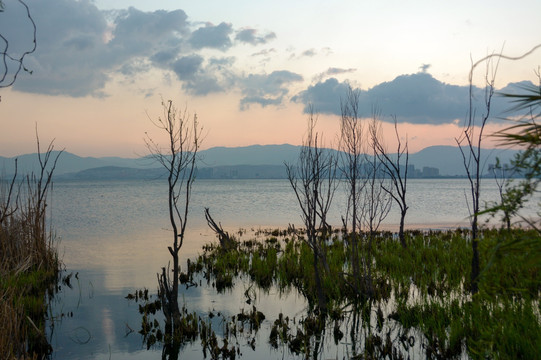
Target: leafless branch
(6, 56)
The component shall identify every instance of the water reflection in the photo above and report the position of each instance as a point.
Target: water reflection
(106, 324)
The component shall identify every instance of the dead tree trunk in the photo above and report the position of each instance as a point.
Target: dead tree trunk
(469, 144)
(226, 242)
(179, 160)
(351, 166)
(396, 168)
(313, 181)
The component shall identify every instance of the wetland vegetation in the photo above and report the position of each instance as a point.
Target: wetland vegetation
(421, 304)
(29, 263)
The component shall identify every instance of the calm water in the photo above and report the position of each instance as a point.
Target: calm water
(114, 234)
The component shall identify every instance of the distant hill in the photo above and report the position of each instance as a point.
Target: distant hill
(250, 155)
(69, 163)
(114, 173)
(256, 161)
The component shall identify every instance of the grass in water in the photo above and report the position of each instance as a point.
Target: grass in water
(420, 304)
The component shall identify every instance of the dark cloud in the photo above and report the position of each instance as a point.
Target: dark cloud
(78, 54)
(416, 98)
(187, 67)
(65, 59)
(266, 89)
(324, 96)
(131, 69)
(80, 42)
(210, 36)
(250, 36)
(165, 56)
(419, 98)
(203, 85)
(141, 33)
(80, 48)
(200, 77)
(215, 76)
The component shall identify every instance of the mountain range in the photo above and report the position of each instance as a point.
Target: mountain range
(256, 161)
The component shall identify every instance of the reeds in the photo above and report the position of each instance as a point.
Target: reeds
(29, 264)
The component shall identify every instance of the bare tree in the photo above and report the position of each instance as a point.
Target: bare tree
(351, 165)
(368, 203)
(313, 181)
(179, 160)
(503, 177)
(470, 143)
(396, 168)
(12, 62)
(377, 201)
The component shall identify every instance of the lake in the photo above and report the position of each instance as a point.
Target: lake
(113, 236)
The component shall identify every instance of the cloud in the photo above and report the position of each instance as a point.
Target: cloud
(187, 67)
(210, 36)
(264, 52)
(64, 45)
(333, 71)
(424, 68)
(324, 96)
(267, 89)
(166, 56)
(78, 53)
(309, 53)
(246, 101)
(250, 36)
(200, 77)
(416, 98)
(141, 33)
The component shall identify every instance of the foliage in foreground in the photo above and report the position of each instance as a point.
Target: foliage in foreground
(421, 303)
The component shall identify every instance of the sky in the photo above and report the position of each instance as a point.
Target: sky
(250, 69)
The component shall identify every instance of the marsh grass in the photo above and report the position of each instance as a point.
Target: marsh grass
(420, 305)
(29, 265)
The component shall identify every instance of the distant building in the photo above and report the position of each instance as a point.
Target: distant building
(426, 172)
(430, 172)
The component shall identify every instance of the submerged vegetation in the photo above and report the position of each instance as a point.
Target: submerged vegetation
(29, 264)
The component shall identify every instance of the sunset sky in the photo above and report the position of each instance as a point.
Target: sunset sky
(250, 68)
